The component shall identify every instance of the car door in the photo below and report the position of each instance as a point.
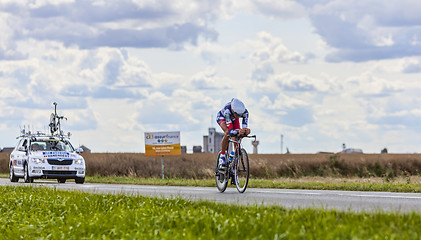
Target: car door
(14, 155)
(20, 154)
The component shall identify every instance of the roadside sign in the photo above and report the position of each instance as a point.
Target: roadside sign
(162, 143)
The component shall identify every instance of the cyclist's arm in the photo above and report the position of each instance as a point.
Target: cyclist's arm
(245, 130)
(227, 115)
(245, 122)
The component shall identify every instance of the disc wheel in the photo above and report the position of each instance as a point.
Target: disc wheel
(241, 171)
(220, 177)
(53, 124)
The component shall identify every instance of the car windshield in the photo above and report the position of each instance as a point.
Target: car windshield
(51, 145)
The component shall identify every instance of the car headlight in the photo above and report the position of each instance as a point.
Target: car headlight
(38, 160)
(78, 161)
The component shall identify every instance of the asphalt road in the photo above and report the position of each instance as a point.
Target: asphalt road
(290, 198)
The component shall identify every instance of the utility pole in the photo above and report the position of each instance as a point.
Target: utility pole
(282, 143)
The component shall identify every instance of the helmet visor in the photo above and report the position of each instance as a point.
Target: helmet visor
(237, 115)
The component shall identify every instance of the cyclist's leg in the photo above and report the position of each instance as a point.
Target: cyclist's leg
(236, 126)
(223, 124)
(224, 142)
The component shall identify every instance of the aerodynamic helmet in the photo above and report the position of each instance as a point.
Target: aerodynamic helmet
(237, 107)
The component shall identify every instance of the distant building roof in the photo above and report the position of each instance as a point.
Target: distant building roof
(85, 149)
(7, 149)
(352, 150)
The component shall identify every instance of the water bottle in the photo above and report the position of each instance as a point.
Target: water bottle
(231, 156)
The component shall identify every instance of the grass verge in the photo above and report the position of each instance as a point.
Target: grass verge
(43, 213)
(404, 184)
(399, 184)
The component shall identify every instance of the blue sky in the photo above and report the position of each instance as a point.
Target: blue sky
(320, 72)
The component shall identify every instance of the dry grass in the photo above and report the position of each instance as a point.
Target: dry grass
(342, 180)
(201, 166)
(197, 166)
(361, 165)
(4, 161)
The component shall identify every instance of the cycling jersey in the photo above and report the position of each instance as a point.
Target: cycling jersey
(225, 114)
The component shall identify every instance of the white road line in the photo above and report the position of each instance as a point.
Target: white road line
(380, 196)
(339, 194)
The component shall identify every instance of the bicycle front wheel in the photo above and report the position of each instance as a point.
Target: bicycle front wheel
(241, 171)
(53, 124)
(220, 177)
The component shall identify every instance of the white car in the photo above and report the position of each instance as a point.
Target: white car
(41, 156)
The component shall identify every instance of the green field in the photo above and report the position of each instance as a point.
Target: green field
(320, 183)
(399, 184)
(43, 213)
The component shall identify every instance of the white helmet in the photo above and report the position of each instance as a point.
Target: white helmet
(237, 106)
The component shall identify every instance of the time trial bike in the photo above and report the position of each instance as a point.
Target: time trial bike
(238, 167)
(55, 121)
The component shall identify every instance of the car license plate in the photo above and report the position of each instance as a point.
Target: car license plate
(60, 168)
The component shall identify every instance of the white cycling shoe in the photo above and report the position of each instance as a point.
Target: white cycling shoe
(222, 162)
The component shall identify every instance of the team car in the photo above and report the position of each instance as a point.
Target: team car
(46, 156)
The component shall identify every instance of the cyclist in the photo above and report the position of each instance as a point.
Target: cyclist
(228, 119)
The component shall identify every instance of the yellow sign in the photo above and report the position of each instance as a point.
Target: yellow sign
(162, 143)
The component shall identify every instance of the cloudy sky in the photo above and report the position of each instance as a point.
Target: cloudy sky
(320, 72)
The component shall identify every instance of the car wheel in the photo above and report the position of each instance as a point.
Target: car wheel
(26, 174)
(80, 180)
(61, 180)
(12, 175)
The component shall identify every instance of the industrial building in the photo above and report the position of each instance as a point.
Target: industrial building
(212, 142)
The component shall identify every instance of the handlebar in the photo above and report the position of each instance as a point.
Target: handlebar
(242, 136)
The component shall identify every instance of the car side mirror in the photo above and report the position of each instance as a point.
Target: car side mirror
(22, 149)
(79, 150)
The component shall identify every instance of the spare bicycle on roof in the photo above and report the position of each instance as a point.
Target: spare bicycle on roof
(55, 124)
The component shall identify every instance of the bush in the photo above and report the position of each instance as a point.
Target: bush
(201, 165)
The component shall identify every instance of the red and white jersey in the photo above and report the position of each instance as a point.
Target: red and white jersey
(226, 114)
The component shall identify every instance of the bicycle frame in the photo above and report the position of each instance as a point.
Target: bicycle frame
(55, 124)
(238, 166)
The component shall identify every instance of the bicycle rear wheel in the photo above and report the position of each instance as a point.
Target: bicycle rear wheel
(241, 171)
(220, 176)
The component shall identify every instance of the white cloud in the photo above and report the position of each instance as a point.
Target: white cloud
(288, 82)
(8, 46)
(134, 73)
(369, 85)
(123, 24)
(111, 68)
(283, 9)
(412, 66)
(208, 80)
(271, 49)
(57, 71)
(367, 30)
